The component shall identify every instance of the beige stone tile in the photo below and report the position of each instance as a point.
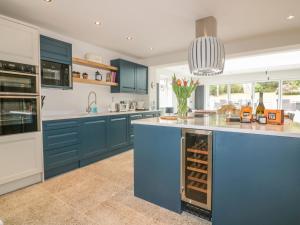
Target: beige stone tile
(114, 213)
(120, 174)
(62, 182)
(11, 202)
(158, 214)
(47, 210)
(85, 195)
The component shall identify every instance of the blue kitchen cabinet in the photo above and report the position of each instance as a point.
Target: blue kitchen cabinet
(94, 139)
(133, 117)
(118, 132)
(149, 115)
(131, 77)
(61, 146)
(55, 50)
(141, 76)
(255, 179)
(157, 165)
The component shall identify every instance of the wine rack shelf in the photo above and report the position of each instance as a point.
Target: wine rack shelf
(197, 170)
(197, 188)
(197, 161)
(197, 151)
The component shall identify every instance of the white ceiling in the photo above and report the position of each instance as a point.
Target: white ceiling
(164, 25)
(286, 60)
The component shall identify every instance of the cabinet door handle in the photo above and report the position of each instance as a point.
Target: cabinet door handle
(118, 119)
(182, 164)
(95, 122)
(128, 87)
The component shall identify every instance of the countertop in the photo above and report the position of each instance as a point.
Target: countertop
(218, 123)
(73, 115)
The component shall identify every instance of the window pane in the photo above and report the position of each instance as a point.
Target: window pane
(291, 95)
(270, 90)
(217, 96)
(165, 94)
(241, 94)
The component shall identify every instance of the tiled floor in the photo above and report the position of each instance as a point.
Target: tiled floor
(101, 193)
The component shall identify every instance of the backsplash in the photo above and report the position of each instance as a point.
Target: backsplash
(76, 100)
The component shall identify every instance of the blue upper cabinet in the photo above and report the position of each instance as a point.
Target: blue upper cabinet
(55, 51)
(132, 77)
(141, 76)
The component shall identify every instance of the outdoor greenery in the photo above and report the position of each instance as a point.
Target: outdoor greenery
(291, 87)
(270, 86)
(213, 89)
(236, 88)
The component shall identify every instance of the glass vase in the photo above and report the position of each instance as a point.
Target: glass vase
(182, 108)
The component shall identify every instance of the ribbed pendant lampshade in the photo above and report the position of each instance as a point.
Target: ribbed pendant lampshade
(206, 55)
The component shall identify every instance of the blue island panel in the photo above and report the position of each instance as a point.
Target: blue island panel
(157, 165)
(256, 179)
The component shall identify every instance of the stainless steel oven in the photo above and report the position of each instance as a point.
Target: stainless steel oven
(196, 168)
(18, 79)
(56, 75)
(19, 114)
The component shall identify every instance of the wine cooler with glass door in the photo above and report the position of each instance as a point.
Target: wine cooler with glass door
(196, 170)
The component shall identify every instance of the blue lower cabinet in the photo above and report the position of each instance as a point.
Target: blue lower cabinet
(157, 165)
(255, 179)
(118, 132)
(93, 139)
(61, 146)
(73, 143)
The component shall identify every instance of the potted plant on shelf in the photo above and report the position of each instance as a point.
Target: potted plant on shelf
(183, 90)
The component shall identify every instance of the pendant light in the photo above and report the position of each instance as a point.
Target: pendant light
(206, 55)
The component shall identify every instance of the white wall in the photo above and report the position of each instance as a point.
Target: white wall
(76, 100)
(287, 40)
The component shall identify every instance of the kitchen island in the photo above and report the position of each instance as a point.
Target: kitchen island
(254, 168)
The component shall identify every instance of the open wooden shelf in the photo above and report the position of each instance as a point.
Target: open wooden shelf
(88, 63)
(98, 82)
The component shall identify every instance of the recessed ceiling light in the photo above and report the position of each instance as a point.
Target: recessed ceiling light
(290, 17)
(151, 49)
(98, 23)
(48, 1)
(129, 38)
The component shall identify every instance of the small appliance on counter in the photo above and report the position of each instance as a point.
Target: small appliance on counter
(113, 106)
(274, 116)
(123, 106)
(140, 105)
(132, 106)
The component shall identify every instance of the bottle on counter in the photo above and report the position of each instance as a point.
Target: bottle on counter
(260, 109)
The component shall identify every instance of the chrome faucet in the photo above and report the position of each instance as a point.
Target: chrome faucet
(89, 108)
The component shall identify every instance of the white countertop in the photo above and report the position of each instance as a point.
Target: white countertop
(73, 115)
(218, 123)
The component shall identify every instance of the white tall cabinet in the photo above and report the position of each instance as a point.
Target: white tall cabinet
(21, 155)
(19, 42)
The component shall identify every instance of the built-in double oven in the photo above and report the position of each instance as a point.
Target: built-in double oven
(19, 98)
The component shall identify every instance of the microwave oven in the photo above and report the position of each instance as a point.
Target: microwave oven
(56, 75)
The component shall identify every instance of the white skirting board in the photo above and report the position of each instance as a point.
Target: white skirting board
(21, 183)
